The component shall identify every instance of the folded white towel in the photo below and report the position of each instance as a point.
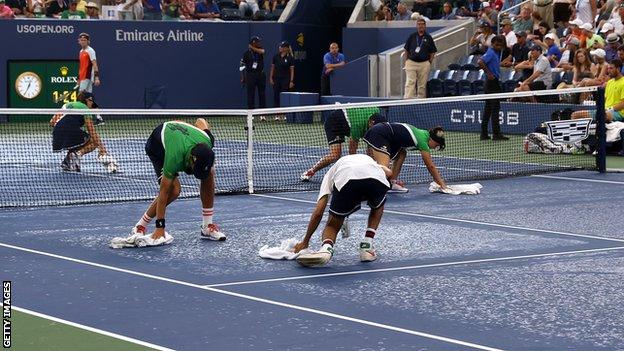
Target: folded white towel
(283, 252)
(456, 189)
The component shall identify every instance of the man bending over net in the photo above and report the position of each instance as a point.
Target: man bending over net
(352, 123)
(353, 179)
(390, 141)
(68, 134)
(175, 147)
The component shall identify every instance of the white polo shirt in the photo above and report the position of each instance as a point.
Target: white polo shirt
(351, 167)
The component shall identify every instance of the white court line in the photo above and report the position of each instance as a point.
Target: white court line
(91, 329)
(257, 299)
(404, 268)
(545, 231)
(578, 179)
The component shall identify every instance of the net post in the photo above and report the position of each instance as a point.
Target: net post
(250, 151)
(601, 131)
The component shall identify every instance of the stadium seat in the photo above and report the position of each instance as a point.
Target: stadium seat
(510, 79)
(567, 77)
(556, 79)
(478, 83)
(471, 63)
(458, 65)
(434, 84)
(449, 80)
(464, 85)
(230, 14)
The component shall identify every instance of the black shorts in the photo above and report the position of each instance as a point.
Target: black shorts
(388, 139)
(68, 134)
(349, 199)
(336, 127)
(156, 151)
(539, 85)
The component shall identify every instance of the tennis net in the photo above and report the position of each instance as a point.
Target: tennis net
(254, 155)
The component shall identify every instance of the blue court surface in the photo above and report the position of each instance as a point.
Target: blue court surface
(532, 263)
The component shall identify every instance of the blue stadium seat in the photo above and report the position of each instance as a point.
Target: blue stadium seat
(434, 84)
(471, 63)
(450, 80)
(567, 76)
(458, 65)
(557, 77)
(464, 85)
(478, 83)
(510, 79)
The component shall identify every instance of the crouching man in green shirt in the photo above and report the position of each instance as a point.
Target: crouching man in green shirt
(175, 147)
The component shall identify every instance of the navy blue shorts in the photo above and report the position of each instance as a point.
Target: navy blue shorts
(336, 128)
(156, 151)
(388, 138)
(349, 199)
(68, 134)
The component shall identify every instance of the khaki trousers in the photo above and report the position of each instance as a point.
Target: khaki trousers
(416, 74)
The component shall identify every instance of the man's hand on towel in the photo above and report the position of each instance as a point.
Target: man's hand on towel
(300, 246)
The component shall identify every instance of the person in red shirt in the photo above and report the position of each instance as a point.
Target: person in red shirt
(88, 70)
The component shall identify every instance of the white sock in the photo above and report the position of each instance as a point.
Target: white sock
(145, 220)
(207, 215)
(325, 247)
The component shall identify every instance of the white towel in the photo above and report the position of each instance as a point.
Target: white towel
(283, 252)
(456, 189)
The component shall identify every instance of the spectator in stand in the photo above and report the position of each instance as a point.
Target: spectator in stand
(331, 61)
(253, 74)
(519, 53)
(613, 42)
(384, 13)
(574, 28)
(620, 52)
(170, 10)
(541, 79)
(282, 75)
(419, 51)
(607, 28)
(614, 95)
(271, 5)
(18, 7)
(72, 12)
(586, 11)
(447, 12)
(489, 15)
(593, 41)
(470, 9)
(187, 9)
(582, 69)
(490, 64)
(599, 73)
(562, 12)
(93, 11)
(35, 8)
(538, 34)
(616, 19)
(403, 14)
(567, 57)
(248, 6)
(152, 10)
(54, 8)
(545, 10)
(525, 21)
(207, 10)
(510, 36)
(553, 54)
(482, 39)
(5, 11)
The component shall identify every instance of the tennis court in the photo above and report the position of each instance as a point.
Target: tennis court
(536, 269)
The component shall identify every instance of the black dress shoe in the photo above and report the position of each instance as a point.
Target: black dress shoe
(499, 137)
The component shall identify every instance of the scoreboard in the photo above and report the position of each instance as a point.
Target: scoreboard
(41, 83)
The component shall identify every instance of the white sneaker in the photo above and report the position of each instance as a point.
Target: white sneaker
(147, 240)
(212, 232)
(108, 162)
(129, 241)
(397, 187)
(305, 176)
(263, 119)
(367, 252)
(314, 259)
